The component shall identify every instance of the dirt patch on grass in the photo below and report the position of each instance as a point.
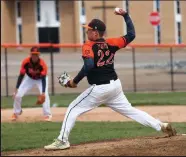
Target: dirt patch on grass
(164, 113)
(146, 146)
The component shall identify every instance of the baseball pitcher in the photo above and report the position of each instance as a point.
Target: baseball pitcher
(33, 72)
(105, 86)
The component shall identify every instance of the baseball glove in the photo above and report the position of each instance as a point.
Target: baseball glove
(64, 79)
(40, 99)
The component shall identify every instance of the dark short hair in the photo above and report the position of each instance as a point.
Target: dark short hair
(101, 33)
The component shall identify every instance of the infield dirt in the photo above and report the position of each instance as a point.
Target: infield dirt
(148, 146)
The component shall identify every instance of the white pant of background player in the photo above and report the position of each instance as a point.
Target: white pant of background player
(110, 95)
(24, 87)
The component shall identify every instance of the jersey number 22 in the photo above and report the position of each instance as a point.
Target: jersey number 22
(102, 61)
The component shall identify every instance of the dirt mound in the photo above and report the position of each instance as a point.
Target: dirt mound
(142, 146)
(148, 146)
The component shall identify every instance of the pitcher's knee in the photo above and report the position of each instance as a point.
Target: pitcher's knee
(130, 109)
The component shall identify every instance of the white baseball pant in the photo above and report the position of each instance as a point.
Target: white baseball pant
(111, 95)
(24, 87)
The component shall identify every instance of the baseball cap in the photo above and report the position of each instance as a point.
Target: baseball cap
(96, 24)
(35, 50)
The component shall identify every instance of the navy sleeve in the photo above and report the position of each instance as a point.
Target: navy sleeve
(43, 79)
(79, 76)
(130, 29)
(19, 80)
(88, 65)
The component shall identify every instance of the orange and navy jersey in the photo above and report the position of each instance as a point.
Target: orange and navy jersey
(113, 43)
(33, 70)
(102, 52)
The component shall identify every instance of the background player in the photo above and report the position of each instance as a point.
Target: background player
(35, 69)
(98, 55)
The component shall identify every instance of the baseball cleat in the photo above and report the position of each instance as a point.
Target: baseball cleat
(57, 145)
(167, 128)
(15, 116)
(48, 118)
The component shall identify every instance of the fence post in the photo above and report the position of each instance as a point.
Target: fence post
(172, 69)
(6, 71)
(52, 68)
(134, 69)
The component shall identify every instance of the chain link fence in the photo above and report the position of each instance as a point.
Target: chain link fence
(139, 68)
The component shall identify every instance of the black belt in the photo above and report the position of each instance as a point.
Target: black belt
(106, 82)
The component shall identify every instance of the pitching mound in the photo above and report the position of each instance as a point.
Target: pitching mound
(143, 146)
(148, 146)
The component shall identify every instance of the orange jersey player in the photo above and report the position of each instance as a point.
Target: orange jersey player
(33, 72)
(105, 86)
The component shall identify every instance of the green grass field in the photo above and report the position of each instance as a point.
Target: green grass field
(19, 136)
(169, 98)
